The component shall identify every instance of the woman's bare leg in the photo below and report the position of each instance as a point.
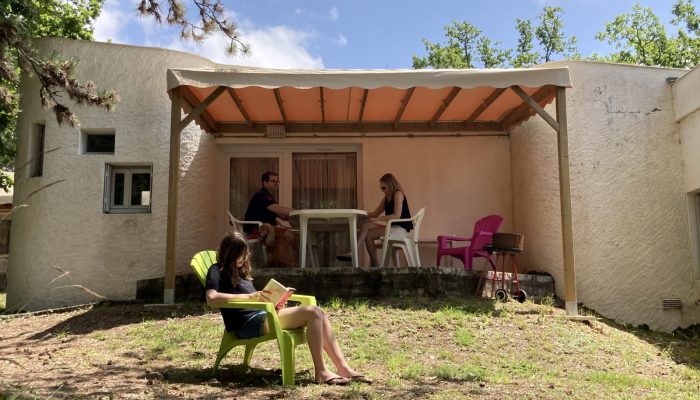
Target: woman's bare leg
(330, 344)
(371, 236)
(315, 322)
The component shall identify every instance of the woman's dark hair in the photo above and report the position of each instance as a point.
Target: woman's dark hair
(234, 246)
(390, 181)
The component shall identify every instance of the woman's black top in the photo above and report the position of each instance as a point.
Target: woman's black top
(220, 280)
(405, 212)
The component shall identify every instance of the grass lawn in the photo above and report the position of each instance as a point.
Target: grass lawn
(425, 348)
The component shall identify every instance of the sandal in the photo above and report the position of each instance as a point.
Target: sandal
(336, 381)
(361, 378)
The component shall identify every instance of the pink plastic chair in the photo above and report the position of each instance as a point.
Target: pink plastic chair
(483, 233)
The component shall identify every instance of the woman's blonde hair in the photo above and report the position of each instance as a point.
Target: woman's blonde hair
(390, 181)
(234, 246)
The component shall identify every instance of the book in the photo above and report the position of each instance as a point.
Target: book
(278, 293)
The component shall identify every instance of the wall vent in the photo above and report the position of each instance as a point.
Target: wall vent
(671, 304)
(275, 130)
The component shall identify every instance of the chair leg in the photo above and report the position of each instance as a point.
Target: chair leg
(248, 353)
(416, 254)
(224, 348)
(287, 350)
(385, 253)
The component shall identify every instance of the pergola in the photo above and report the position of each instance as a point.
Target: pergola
(255, 102)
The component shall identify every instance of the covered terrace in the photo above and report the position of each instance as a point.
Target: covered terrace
(241, 102)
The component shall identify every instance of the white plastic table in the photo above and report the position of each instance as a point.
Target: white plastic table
(327, 215)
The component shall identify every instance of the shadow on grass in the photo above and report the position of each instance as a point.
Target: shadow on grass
(107, 316)
(233, 376)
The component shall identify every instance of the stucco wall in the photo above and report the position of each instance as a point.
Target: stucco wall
(686, 104)
(629, 208)
(63, 227)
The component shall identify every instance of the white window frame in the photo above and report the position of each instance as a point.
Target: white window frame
(128, 170)
(84, 133)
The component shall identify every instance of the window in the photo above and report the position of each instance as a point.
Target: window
(324, 180)
(36, 156)
(97, 142)
(127, 188)
(245, 180)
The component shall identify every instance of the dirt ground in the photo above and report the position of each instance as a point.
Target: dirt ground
(65, 355)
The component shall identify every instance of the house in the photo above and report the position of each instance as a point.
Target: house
(462, 144)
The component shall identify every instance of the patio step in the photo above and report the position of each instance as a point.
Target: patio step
(346, 282)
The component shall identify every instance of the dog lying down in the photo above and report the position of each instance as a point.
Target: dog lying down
(280, 246)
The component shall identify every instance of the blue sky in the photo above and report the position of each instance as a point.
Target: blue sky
(361, 33)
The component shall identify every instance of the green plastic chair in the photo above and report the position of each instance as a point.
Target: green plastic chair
(287, 339)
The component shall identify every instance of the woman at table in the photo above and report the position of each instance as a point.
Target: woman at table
(394, 205)
(230, 279)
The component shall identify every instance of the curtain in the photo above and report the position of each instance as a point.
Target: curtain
(245, 181)
(326, 180)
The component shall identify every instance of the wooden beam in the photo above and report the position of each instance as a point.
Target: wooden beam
(535, 106)
(208, 122)
(567, 229)
(278, 97)
(404, 103)
(365, 93)
(485, 104)
(523, 110)
(173, 186)
(344, 127)
(323, 111)
(445, 103)
(234, 96)
(201, 107)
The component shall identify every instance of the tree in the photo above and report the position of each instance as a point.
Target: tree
(550, 34)
(524, 56)
(22, 21)
(642, 39)
(466, 45)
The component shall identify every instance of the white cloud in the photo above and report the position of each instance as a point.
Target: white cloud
(271, 47)
(334, 13)
(110, 23)
(341, 40)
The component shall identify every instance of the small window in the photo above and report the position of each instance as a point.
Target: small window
(36, 157)
(97, 142)
(127, 188)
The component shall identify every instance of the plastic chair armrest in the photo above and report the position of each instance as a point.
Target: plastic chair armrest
(258, 223)
(255, 305)
(303, 299)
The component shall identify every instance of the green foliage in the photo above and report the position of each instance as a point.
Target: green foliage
(641, 38)
(551, 37)
(467, 47)
(22, 21)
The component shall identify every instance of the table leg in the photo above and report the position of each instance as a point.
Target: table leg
(352, 223)
(304, 223)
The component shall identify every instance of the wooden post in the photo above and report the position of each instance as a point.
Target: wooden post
(565, 199)
(173, 186)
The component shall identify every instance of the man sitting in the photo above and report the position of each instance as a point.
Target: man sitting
(263, 206)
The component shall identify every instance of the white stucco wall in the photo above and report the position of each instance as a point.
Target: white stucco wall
(686, 104)
(63, 226)
(628, 199)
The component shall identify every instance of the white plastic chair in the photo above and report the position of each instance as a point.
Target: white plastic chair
(238, 226)
(409, 244)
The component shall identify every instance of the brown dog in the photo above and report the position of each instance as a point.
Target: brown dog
(279, 246)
